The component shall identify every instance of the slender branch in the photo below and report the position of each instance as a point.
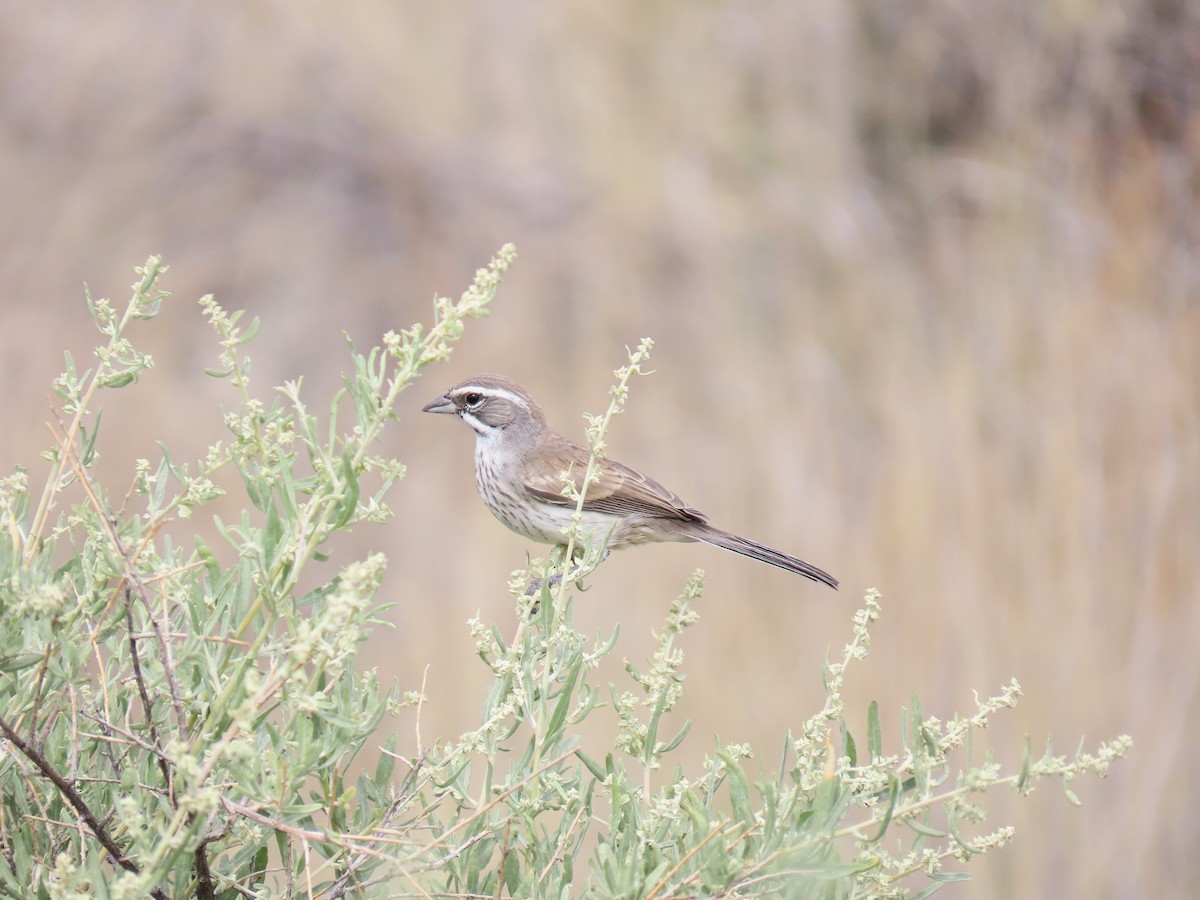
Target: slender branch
(130, 577)
(147, 703)
(506, 849)
(43, 668)
(124, 737)
(204, 879)
(562, 845)
(716, 832)
(347, 879)
(498, 799)
(82, 403)
(241, 809)
(77, 802)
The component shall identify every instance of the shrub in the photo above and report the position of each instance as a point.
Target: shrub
(184, 721)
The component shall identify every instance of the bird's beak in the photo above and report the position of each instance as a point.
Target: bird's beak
(442, 404)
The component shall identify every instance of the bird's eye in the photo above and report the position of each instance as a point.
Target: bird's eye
(473, 399)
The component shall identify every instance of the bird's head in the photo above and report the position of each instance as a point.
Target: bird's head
(491, 405)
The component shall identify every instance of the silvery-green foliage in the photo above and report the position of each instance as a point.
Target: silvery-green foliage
(180, 719)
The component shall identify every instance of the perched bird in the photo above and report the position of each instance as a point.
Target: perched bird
(519, 463)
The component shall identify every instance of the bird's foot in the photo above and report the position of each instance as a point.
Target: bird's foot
(535, 586)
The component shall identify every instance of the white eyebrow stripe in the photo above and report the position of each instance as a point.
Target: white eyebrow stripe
(489, 392)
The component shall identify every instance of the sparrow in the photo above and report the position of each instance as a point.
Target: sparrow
(519, 466)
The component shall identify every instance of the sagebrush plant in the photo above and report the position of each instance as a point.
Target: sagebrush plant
(181, 721)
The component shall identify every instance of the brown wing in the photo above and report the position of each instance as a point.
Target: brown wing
(619, 490)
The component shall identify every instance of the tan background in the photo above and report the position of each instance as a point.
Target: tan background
(924, 284)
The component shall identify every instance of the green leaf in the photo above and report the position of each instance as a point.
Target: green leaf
(117, 379)
(874, 732)
(272, 536)
(260, 496)
(947, 877)
(591, 765)
(1026, 764)
(347, 503)
(955, 834)
(88, 452)
(603, 649)
(588, 698)
(301, 809)
(696, 811)
(387, 760)
(261, 859)
(512, 872)
(10, 882)
(19, 661)
(893, 796)
(212, 568)
(739, 788)
(930, 742)
(99, 875)
(826, 803)
(927, 892)
(922, 828)
(678, 739)
(851, 749)
(650, 750)
(1071, 797)
(565, 696)
(251, 331)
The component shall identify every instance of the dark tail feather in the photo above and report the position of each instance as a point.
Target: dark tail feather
(762, 553)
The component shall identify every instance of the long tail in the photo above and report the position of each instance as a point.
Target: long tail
(762, 553)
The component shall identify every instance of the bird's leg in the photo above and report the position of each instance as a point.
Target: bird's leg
(554, 580)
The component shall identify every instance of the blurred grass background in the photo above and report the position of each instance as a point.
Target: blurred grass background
(923, 278)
